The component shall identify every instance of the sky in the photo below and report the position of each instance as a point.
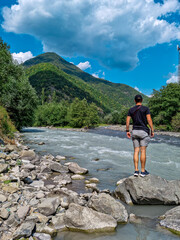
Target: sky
(124, 41)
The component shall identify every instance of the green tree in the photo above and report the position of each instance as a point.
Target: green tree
(164, 104)
(123, 115)
(17, 95)
(175, 122)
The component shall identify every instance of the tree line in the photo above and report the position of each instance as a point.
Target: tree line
(24, 107)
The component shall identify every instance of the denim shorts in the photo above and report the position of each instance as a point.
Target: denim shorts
(140, 138)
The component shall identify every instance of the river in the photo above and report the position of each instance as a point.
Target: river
(107, 154)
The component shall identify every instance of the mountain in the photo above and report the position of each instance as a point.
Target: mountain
(52, 72)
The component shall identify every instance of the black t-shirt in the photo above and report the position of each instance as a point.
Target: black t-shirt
(138, 114)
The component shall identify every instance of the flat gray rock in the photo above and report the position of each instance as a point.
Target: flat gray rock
(171, 220)
(78, 218)
(23, 211)
(42, 236)
(148, 190)
(57, 167)
(106, 204)
(75, 168)
(49, 206)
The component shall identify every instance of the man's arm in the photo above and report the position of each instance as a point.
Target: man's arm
(150, 122)
(127, 126)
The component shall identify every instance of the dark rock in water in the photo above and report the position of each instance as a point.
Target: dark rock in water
(148, 190)
(171, 220)
(78, 218)
(41, 143)
(103, 169)
(106, 204)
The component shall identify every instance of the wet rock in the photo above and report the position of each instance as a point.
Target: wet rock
(94, 180)
(106, 204)
(25, 230)
(62, 179)
(3, 167)
(4, 213)
(149, 190)
(134, 219)
(57, 167)
(49, 206)
(41, 143)
(75, 168)
(43, 228)
(23, 211)
(78, 218)
(171, 220)
(41, 236)
(92, 186)
(27, 154)
(77, 177)
(58, 221)
(59, 158)
(3, 198)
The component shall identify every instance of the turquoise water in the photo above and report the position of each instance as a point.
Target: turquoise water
(115, 153)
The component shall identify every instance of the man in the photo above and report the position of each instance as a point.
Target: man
(140, 134)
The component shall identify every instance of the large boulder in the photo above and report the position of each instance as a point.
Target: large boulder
(106, 204)
(75, 168)
(171, 220)
(57, 167)
(148, 190)
(49, 206)
(78, 218)
(25, 230)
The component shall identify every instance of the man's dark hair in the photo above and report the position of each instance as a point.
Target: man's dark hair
(138, 98)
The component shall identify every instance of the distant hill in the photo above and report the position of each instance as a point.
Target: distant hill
(52, 72)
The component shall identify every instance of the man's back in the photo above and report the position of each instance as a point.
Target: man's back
(138, 114)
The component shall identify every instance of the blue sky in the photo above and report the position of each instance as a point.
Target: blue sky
(132, 42)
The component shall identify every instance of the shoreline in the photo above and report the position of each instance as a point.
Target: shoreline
(121, 128)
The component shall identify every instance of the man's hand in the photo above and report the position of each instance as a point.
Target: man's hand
(128, 134)
(152, 134)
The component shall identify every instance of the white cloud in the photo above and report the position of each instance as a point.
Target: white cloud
(136, 88)
(111, 31)
(84, 65)
(172, 79)
(22, 57)
(95, 75)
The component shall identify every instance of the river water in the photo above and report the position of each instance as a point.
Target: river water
(108, 154)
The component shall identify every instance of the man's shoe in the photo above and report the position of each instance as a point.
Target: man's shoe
(143, 174)
(136, 173)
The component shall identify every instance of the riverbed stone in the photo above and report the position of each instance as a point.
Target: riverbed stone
(62, 178)
(43, 228)
(25, 230)
(77, 177)
(3, 167)
(171, 220)
(106, 204)
(4, 213)
(23, 211)
(149, 190)
(37, 184)
(75, 168)
(94, 180)
(41, 236)
(57, 167)
(59, 158)
(3, 198)
(58, 222)
(41, 218)
(29, 166)
(49, 206)
(78, 218)
(27, 154)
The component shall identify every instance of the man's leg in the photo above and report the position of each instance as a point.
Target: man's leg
(136, 158)
(143, 158)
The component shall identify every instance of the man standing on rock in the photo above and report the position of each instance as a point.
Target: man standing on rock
(141, 133)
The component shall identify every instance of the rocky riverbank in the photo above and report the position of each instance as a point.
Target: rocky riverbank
(35, 202)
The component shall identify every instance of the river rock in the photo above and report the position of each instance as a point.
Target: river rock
(29, 166)
(23, 211)
(62, 178)
(106, 204)
(3, 167)
(94, 180)
(27, 154)
(57, 167)
(3, 198)
(2, 155)
(43, 228)
(4, 213)
(49, 206)
(58, 221)
(59, 158)
(41, 236)
(25, 230)
(149, 190)
(171, 220)
(41, 218)
(10, 148)
(75, 168)
(78, 218)
(77, 177)
(37, 184)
